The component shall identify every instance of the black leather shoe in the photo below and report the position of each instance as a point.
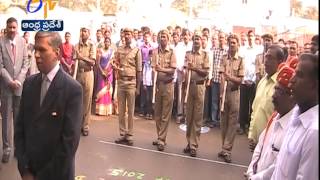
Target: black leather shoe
(160, 147)
(121, 140)
(193, 152)
(186, 150)
(227, 158)
(5, 157)
(129, 142)
(155, 143)
(221, 154)
(85, 133)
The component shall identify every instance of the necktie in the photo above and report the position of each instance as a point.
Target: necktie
(44, 88)
(13, 48)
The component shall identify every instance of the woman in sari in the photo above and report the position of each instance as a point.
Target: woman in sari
(104, 79)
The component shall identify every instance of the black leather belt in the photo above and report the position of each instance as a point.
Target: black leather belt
(85, 69)
(127, 78)
(234, 88)
(197, 82)
(165, 81)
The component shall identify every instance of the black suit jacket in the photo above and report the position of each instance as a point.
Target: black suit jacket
(47, 137)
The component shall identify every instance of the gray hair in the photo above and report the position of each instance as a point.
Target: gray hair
(55, 38)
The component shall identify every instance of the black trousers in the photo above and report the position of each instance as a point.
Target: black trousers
(148, 100)
(247, 94)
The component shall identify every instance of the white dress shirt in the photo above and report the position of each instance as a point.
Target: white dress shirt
(13, 41)
(180, 51)
(210, 54)
(147, 74)
(53, 72)
(249, 54)
(271, 146)
(299, 154)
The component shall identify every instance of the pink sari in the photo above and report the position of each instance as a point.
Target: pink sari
(104, 85)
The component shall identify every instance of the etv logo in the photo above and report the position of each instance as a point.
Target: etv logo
(48, 4)
(41, 25)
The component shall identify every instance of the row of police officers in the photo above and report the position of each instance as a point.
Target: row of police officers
(127, 63)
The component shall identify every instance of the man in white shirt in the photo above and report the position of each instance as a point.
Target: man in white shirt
(99, 39)
(174, 40)
(299, 154)
(180, 51)
(248, 85)
(207, 102)
(270, 140)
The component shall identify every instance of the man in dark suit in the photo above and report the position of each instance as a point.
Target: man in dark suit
(48, 127)
(14, 65)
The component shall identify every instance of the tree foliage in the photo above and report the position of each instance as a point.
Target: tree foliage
(181, 5)
(311, 13)
(109, 6)
(196, 6)
(298, 10)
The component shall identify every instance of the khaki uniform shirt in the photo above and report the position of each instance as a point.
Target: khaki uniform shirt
(88, 50)
(200, 60)
(129, 59)
(233, 66)
(166, 58)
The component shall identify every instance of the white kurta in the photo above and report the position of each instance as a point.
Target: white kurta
(271, 146)
(299, 154)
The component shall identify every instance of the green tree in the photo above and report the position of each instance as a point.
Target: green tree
(311, 13)
(109, 6)
(296, 8)
(181, 5)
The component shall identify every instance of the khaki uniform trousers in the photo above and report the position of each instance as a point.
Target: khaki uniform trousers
(126, 101)
(86, 81)
(194, 114)
(163, 109)
(229, 119)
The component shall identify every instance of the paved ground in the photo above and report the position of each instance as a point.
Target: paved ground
(98, 158)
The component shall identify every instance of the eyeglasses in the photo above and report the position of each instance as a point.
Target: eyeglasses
(292, 48)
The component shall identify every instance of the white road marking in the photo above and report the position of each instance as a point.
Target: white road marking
(175, 155)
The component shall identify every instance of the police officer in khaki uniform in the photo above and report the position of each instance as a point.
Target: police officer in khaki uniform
(128, 63)
(232, 72)
(260, 70)
(196, 63)
(164, 62)
(86, 57)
